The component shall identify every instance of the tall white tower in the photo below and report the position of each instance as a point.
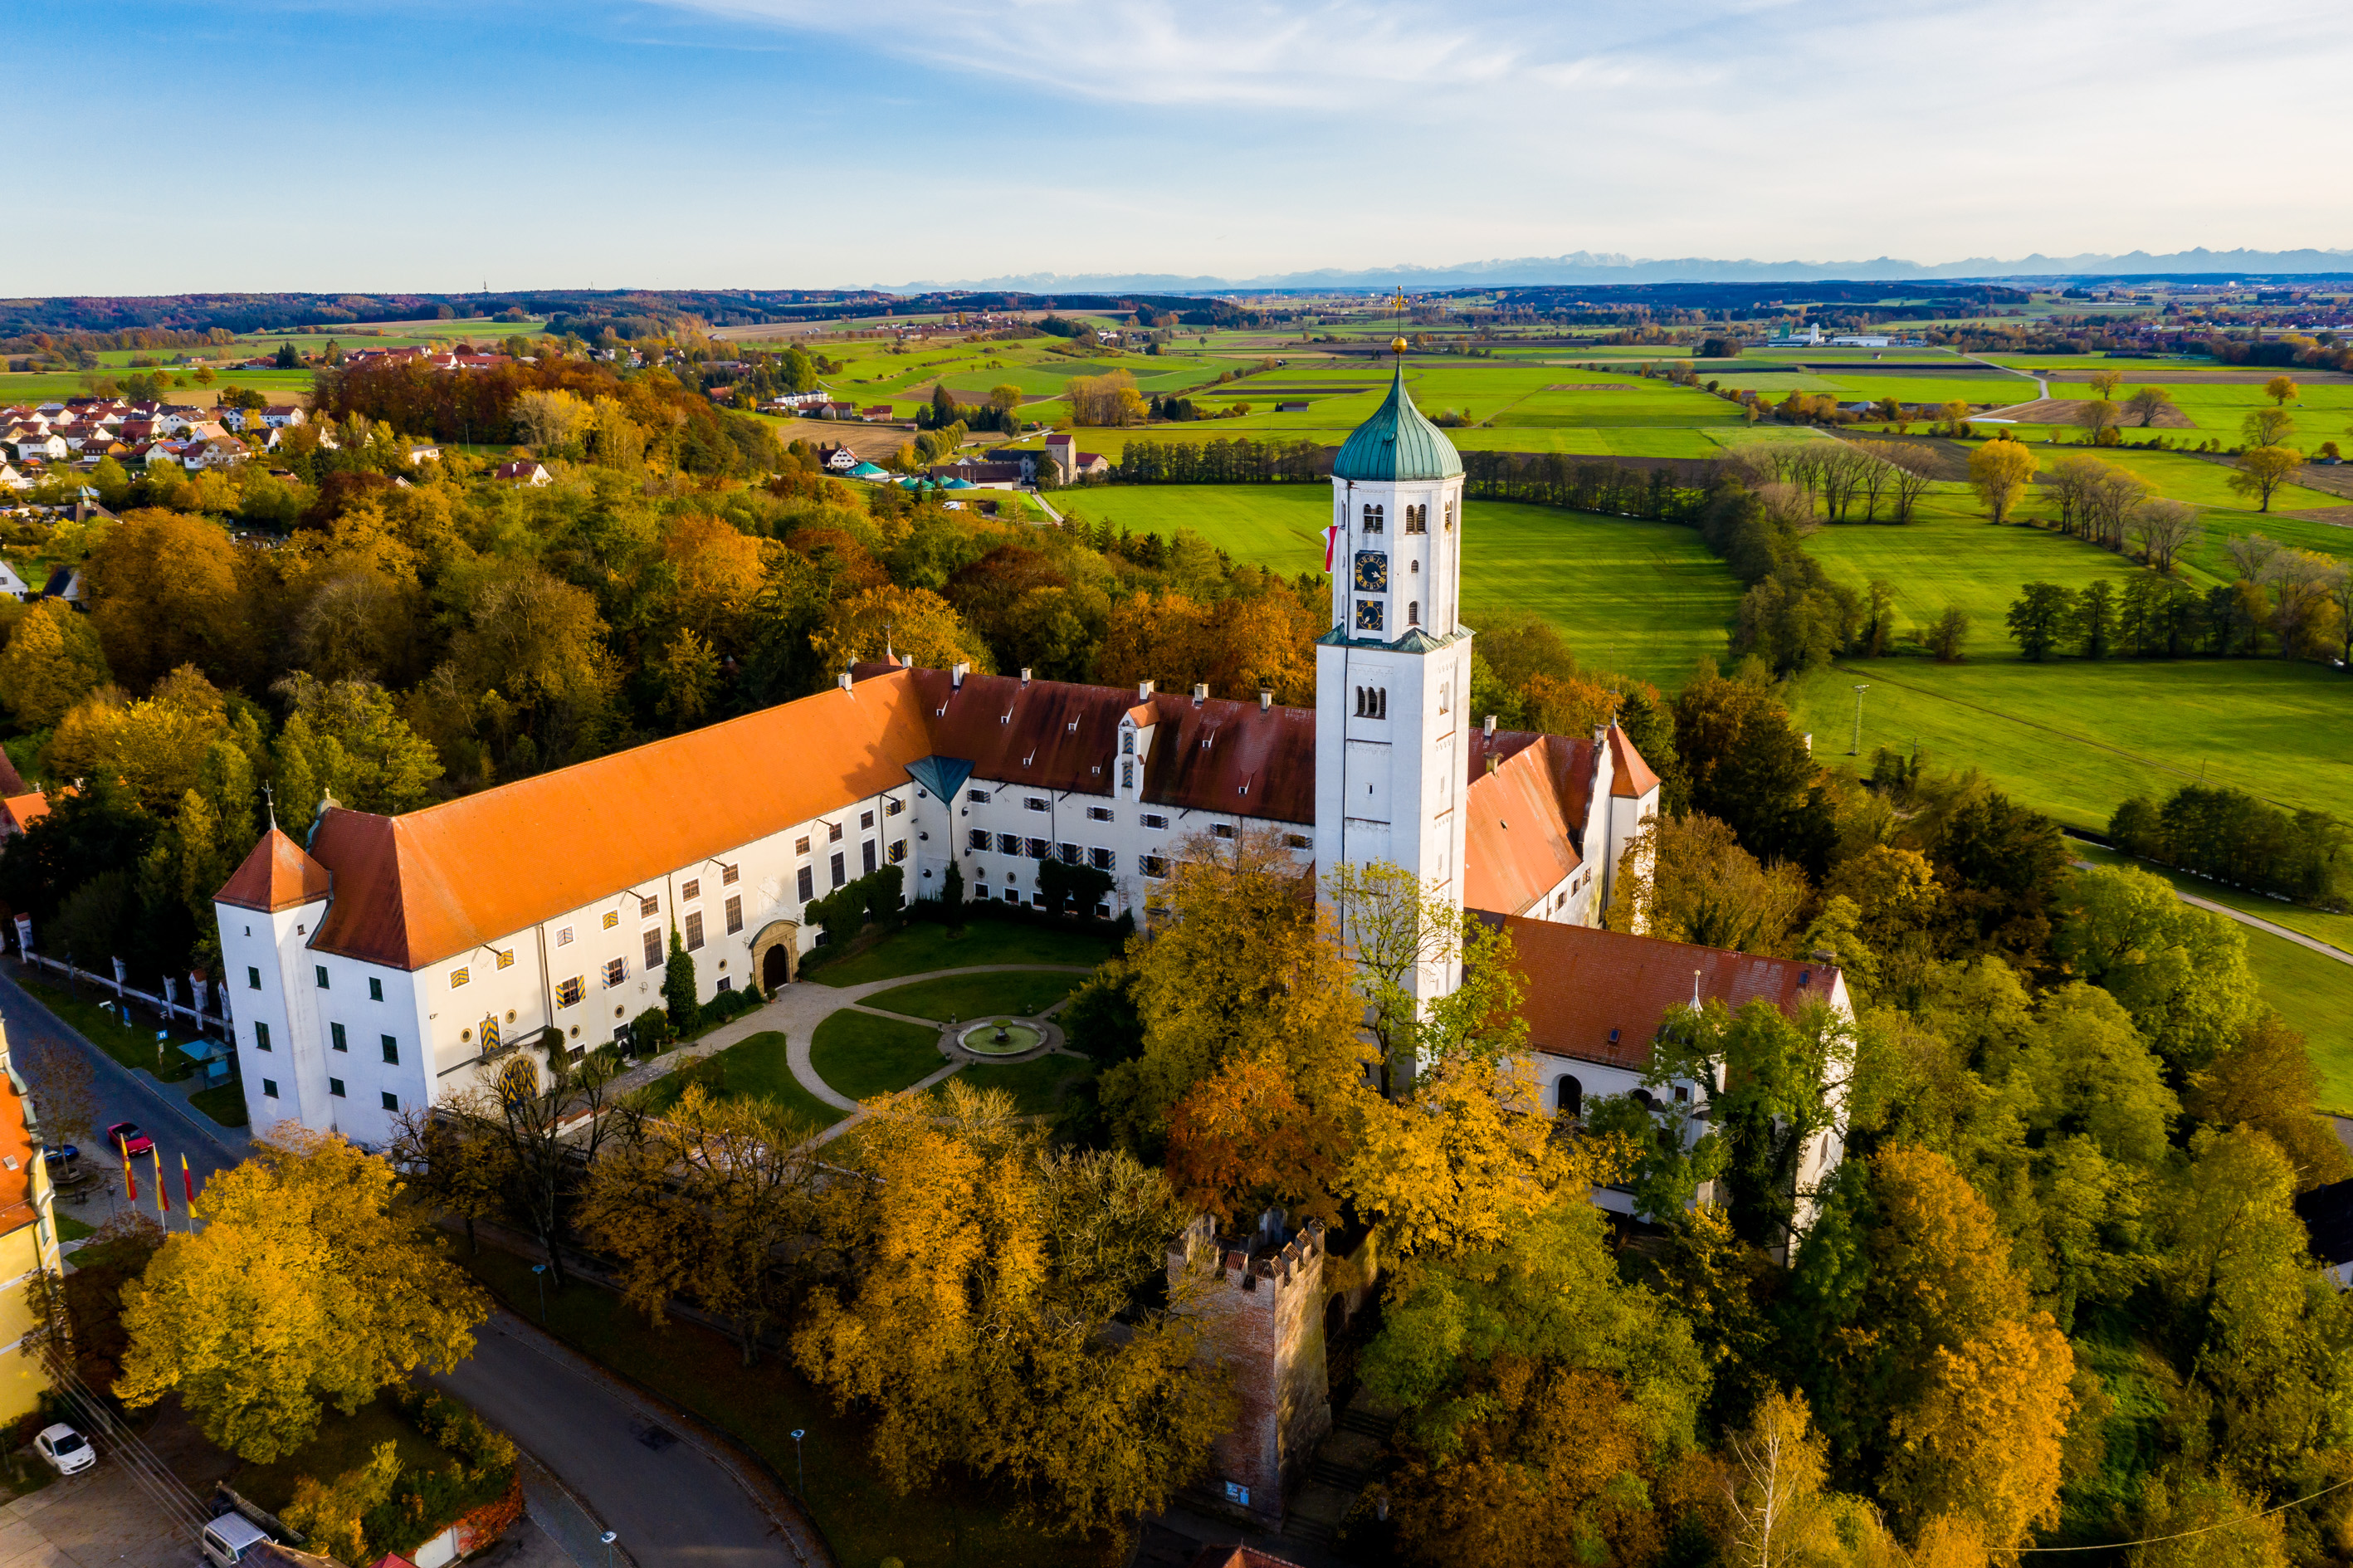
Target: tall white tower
(1393, 674)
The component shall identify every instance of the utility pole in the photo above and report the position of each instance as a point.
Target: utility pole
(1856, 750)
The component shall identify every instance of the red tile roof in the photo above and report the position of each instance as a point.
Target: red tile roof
(1630, 777)
(414, 890)
(22, 812)
(279, 874)
(1524, 824)
(1584, 985)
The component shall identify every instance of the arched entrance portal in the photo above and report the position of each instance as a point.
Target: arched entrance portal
(776, 953)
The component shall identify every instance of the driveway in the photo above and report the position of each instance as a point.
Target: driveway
(676, 1497)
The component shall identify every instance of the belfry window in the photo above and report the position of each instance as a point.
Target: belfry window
(1449, 517)
(1372, 701)
(1417, 519)
(1373, 520)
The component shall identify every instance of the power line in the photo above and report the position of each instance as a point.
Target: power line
(2186, 1534)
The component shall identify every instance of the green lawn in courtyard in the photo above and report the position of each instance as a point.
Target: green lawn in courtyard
(954, 1526)
(1038, 1088)
(756, 1067)
(925, 946)
(860, 1055)
(968, 997)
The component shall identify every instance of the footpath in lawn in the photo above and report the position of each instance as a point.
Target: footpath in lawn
(966, 997)
(860, 1055)
(923, 947)
(754, 1068)
(954, 1526)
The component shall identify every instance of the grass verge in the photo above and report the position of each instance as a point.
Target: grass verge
(968, 997)
(923, 947)
(860, 1055)
(756, 1067)
(959, 1525)
(131, 1044)
(343, 1443)
(225, 1103)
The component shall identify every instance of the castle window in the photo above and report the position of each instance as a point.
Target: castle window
(261, 1036)
(891, 808)
(459, 977)
(1568, 1095)
(391, 1048)
(735, 904)
(653, 951)
(1102, 860)
(866, 822)
(506, 961)
(612, 919)
(569, 993)
(693, 931)
(866, 858)
(694, 889)
(1297, 841)
(1372, 520)
(1073, 856)
(805, 884)
(320, 970)
(833, 833)
(1449, 517)
(1417, 519)
(649, 907)
(252, 978)
(1372, 701)
(1222, 830)
(335, 1087)
(1154, 820)
(898, 854)
(615, 972)
(1007, 844)
(1040, 849)
(337, 1038)
(839, 877)
(563, 938)
(801, 844)
(1127, 775)
(978, 797)
(375, 987)
(1099, 813)
(728, 874)
(1127, 743)
(1036, 804)
(1445, 694)
(1153, 865)
(1413, 612)
(391, 1101)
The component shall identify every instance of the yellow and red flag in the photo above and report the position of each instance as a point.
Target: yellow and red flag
(188, 1183)
(163, 1193)
(130, 1182)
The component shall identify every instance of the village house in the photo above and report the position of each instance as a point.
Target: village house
(528, 473)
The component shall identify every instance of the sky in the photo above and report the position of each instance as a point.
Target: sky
(425, 144)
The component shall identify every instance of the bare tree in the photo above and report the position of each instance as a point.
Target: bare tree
(2163, 529)
(59, 1078)
(544, 1117)
(2110, 500)
(2101, 416)
(1916, 469)
(2148, 402)
(2268, 427)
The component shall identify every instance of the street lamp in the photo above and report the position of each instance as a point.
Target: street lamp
(609, 1538)
(800, 1471)
(1857, 750)
(539, 1272)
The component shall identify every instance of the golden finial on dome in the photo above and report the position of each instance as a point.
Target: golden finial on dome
(1396, 345)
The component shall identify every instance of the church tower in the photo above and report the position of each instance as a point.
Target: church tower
(1393, 673)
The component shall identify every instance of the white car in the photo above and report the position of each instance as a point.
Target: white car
(66, 1450)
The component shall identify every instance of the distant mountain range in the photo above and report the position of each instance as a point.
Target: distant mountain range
(1586, 267)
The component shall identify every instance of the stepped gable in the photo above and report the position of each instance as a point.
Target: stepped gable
(276, 875)
(1524, 821)
(414, 890)
(1212, 755)
(1584, 983)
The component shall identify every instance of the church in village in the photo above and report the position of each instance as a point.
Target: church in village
(373, 964)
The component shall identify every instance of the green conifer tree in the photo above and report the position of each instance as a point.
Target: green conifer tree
(678, 983)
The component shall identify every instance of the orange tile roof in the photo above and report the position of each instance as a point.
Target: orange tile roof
(1630, 777)
(1602, 995)
(420, 888)
(16, 1157)
(1524, 823)
(278, 874)
(23, 811)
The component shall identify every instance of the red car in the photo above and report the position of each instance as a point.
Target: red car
(126, 1137)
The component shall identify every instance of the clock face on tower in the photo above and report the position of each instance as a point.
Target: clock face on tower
(1372, 572)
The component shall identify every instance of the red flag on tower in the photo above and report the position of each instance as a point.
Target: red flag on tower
(1331, 543)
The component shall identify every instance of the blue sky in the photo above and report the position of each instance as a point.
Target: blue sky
(788, 142)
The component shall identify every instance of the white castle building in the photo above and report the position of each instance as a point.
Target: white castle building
(377, 962)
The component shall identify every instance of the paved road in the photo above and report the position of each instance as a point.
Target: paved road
(2257, 921)
(675, 1502)
(117, 1093)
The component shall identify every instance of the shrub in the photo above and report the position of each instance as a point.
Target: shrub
(650, 1032)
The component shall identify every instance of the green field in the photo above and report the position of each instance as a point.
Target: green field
(1639, 599)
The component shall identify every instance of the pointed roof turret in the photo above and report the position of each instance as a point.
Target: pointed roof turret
(1396, 442)
(279, 874)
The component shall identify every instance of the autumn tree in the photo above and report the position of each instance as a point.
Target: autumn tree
(1749, 768)
(970, 1272)
(51, 662)
(1107, 399)
(1242, 1140)
(916, 624)
(155, 746)
(2265, 1080)
(2163, 531)
(2263, 470)
(2179, 971)
(168, 589)
(306, 1287)
(1999, 471)
(544, 1111)
(2267, 427)
(448, 1169)
(1406, 939)
(1686, 879)
(2104, 382)
(347, 738)
(707, 1199)
(2281, 389)
(2148, 402)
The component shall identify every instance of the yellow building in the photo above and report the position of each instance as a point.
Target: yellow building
(29, 1243)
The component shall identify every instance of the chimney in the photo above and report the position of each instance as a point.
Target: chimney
(956, 675)
(1200, 693)
(1265, 699)
(1025, 674)
(1490, 728)
(1143, 691)
(844, 678)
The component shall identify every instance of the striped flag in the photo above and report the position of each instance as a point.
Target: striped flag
(130, 1182)
(1331, 543)
(163, 1193)
(188, 1183)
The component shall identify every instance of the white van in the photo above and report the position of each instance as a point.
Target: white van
(227, 1539)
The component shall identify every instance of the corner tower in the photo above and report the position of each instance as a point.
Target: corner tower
(1393, 673)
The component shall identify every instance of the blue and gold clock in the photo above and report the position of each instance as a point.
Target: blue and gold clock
(1372, 572)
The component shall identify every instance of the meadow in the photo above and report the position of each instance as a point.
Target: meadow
(1639, 599)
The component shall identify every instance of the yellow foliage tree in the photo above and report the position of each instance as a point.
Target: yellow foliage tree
(1999, 472)
(1107, 399)
(330, 1513)
(52, 661)
(305, 1289)
(156, 747)
(917, 624)
(2263, 470)
(167, 591)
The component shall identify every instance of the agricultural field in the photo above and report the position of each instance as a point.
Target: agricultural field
(1639, 598)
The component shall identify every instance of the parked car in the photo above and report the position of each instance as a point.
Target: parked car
(59, 1155)
(226, 1540)
(126, 1137)
(66, 1450)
